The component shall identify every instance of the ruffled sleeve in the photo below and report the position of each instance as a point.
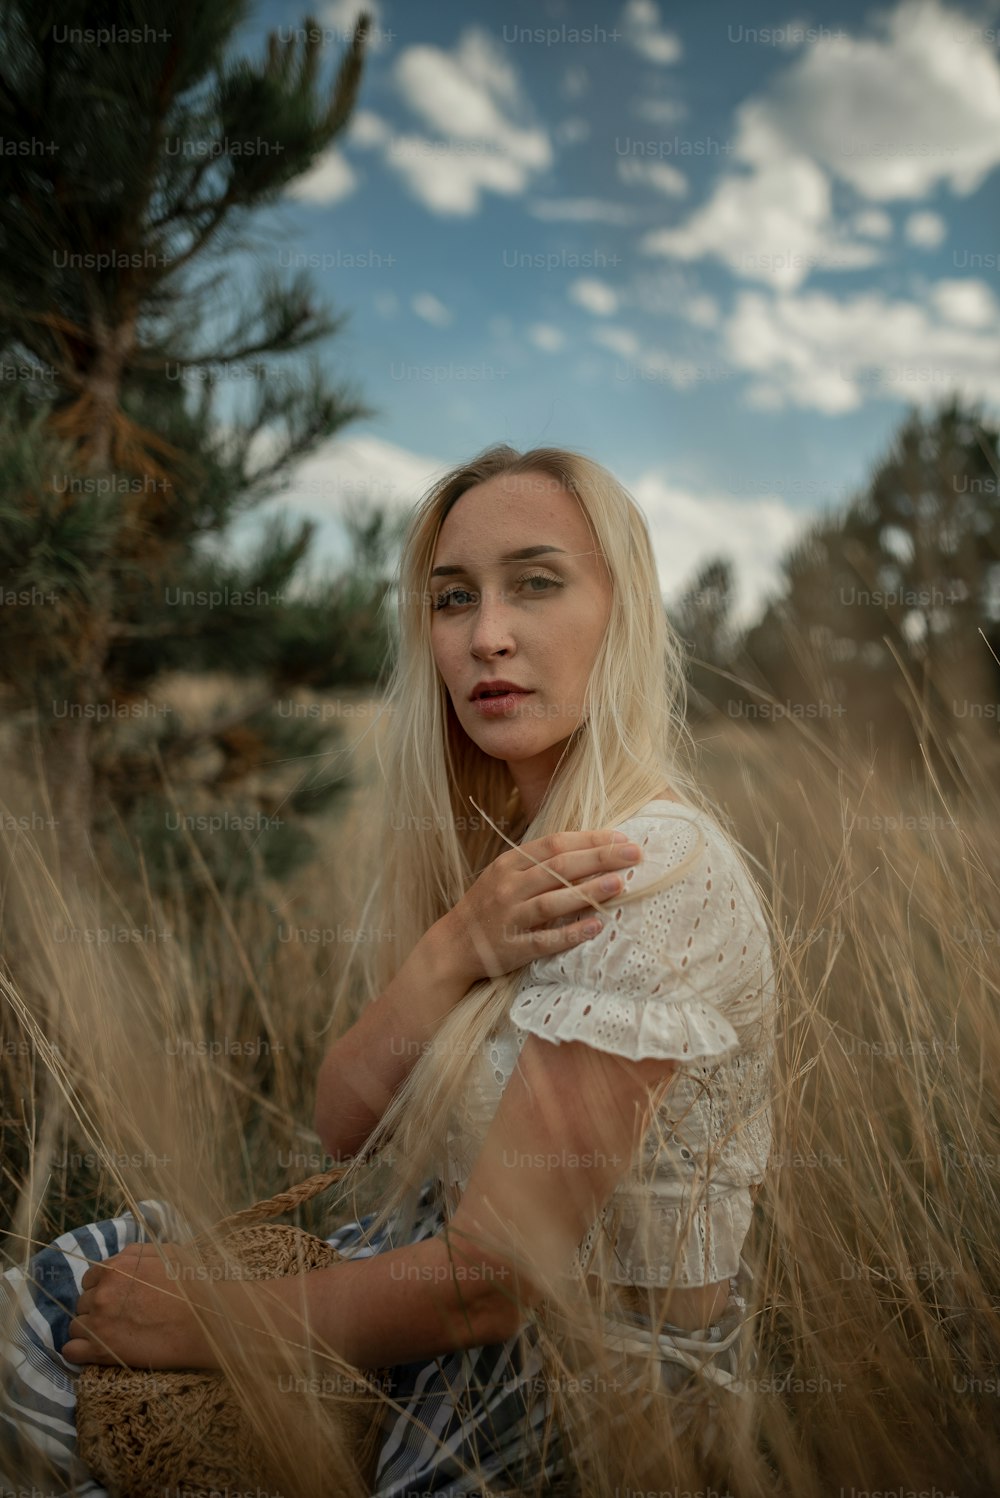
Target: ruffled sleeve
(668, 971)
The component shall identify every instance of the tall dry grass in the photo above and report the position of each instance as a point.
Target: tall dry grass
(874, 1242)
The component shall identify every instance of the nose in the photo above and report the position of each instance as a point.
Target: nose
(492, 629)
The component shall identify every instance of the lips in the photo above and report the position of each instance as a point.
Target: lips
(496, 689)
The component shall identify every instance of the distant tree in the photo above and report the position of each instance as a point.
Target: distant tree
(702, 616)
(908, 571)
(130, 167)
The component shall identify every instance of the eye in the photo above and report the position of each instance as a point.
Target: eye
(539, 577)
(444, 599)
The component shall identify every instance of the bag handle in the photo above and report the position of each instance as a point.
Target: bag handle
(284, 1201)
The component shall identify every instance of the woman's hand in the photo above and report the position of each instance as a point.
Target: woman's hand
(133, 1309)
(518, 910)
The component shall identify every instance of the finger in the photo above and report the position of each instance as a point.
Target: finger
(80, 1335)
(78, 1331)
(553, 911)
(546, 940)
(136, 1250)
(80, 1350)
(126, 1260)
(578, 903)
(576, 865)
(132, 1251)
(555, 844)
(83, 1350)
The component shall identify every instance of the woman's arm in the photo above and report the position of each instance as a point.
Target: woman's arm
(412, 1302)
(502, 922)
(398, 1306)
(364, 1067)
(567, 1130)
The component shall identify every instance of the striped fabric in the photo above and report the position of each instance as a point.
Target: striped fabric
(466, 1420)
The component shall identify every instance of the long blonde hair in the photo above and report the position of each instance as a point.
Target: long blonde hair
(633, 741)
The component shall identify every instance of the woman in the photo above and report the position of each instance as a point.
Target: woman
(577, 1116)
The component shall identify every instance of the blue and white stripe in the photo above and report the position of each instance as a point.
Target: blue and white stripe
(465, 1419)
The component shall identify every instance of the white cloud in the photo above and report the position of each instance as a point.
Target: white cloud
(328, 180)
(340, 16)
(581, 211)
(689, 529)
(447, 177)
(893, 114)
(649, 364)
(926, 230)
(641, 22)
(619, 340)
(366, 128)
(773, 223)
(703, 311)
(460, 94)
(812, 351)
(544, 336)
(970, 304)
(664, 291)
(427, 306)
(657, 174)
(896, 112)
(672, 292)
(596, 296)
(873, 223)
(471, 98)
(359, 470)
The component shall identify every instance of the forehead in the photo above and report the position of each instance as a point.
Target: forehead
(512, 508)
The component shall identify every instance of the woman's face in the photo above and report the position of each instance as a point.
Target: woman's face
(535, 621)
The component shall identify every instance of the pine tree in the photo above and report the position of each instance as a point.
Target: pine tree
(135, 152)
(908, 571)
(702, 616)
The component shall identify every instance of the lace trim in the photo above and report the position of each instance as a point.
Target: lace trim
(640, 1243)
(639, 1028)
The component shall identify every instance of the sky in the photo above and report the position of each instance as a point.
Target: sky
(720, 254)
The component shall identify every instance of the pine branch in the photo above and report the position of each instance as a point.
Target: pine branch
(110, 241)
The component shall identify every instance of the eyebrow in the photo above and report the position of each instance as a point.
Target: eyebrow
(508, 556)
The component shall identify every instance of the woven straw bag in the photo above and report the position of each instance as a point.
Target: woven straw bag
(141, 1432)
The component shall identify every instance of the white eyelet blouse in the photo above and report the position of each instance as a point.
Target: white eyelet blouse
(685, 973)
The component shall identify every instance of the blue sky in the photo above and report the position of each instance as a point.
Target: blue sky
(719, 254)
